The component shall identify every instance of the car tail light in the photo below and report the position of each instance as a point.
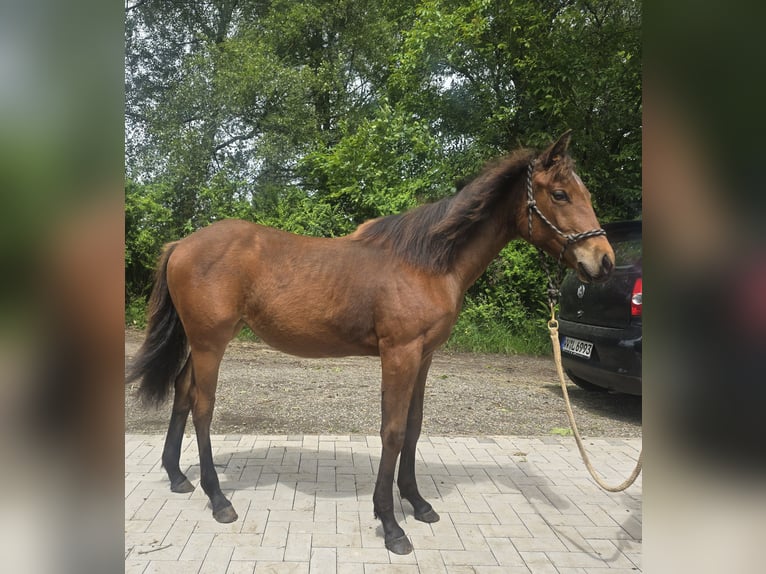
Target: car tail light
(636, 298)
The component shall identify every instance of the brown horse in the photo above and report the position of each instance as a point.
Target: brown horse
(393, 288)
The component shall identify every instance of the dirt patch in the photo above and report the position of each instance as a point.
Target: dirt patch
(262, 391)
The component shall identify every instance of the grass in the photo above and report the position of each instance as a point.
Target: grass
(247, 335)
(531, 339)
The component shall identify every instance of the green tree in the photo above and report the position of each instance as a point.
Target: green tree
(247, 88)
(492, 75)
(388, 164)
(147, 227)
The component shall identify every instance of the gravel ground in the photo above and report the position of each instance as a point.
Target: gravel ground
(262, 391)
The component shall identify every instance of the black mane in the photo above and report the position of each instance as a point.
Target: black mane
(430, 236)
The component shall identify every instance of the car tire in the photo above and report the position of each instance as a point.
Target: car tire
(585, 385)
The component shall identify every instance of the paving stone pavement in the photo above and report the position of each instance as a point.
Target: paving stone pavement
(507, 504)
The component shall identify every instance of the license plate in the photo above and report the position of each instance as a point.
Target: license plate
(577, 347)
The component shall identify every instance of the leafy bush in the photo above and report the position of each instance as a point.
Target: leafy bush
(506, 309)
(388, 164)
(135, 313)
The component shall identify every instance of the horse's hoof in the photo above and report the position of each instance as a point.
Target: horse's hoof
(428, 516)
(181, 487)
(225, 515)
(401, 545)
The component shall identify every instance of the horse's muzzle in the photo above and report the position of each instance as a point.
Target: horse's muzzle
(599, 275)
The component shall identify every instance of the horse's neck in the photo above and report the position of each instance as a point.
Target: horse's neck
(486, 243)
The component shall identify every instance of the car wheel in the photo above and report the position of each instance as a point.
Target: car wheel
(585, 385)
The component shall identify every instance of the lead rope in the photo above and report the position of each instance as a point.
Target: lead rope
(554, 282)
(553, 327)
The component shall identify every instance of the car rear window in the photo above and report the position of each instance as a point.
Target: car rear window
(627, 253)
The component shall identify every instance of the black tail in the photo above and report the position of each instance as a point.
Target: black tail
(165, 348)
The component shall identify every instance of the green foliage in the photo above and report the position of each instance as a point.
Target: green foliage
(389, 164)
(494, 75)
(221, 198)
(475, 336)
(147, 227)
(135, 312)
(297, 212)
(506, 309)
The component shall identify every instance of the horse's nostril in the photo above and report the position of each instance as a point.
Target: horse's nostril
(607, 263)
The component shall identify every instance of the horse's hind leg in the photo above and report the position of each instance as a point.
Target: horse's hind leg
(205, 373)
(408, 486)
(171, 454)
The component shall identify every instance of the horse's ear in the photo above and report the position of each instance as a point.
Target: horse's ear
(557, 150)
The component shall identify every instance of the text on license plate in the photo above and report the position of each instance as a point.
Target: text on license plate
(577, 347)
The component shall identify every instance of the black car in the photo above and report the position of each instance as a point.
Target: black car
(600, 324)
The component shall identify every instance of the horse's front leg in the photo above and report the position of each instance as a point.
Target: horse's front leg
(400, 368)
(408, 486)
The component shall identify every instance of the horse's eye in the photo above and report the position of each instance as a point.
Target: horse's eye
(560, 195)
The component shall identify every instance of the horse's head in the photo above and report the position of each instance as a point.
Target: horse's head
(559, 217)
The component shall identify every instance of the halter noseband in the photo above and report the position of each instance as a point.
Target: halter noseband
(570, 238)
